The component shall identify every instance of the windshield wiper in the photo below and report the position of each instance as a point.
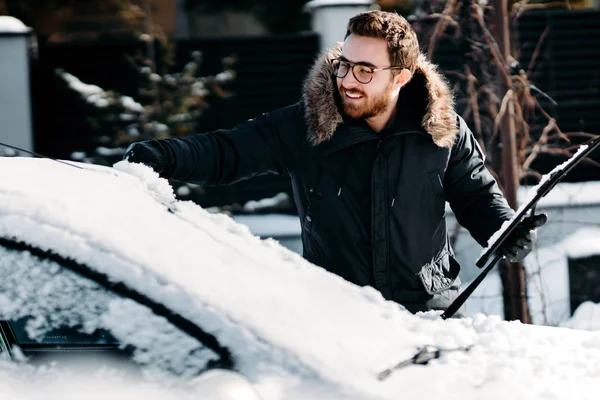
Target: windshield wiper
(527, 210)
(425, 354)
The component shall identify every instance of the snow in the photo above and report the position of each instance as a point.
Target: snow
(131, 105)
(10, 24)
(532, 193)
(567, 194)
(224, 77)
(92, 93)
(547, 268)
(268, 202)
(184, 191)
(159, 127)
(27, 383)
(548, 276)
(108, 151)
(99, 97)
(548, 293)
(271, 225)
(586, 317)
(295, 330)
(126, 117)
(80, 87)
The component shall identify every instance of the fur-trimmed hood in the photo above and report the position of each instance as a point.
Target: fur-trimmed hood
(426, 99)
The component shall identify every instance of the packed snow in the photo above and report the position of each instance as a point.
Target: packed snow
(295, 330)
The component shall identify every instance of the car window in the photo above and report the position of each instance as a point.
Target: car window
(62, 336)
(48, 309)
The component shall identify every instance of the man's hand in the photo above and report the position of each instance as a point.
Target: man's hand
(145, 153)
(520, 242)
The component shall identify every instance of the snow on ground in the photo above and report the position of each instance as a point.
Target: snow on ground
(296, 330)
(567, 194)
(548, 273)
(532, 194)
(586, 317)
(271, 225)
(547, 276)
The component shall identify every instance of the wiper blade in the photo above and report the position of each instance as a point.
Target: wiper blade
(525, 211)
(425, 354)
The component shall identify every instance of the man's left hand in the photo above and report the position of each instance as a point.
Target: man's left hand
(520, 242)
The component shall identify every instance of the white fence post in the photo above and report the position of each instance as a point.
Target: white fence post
(330, 17)
(15, 99)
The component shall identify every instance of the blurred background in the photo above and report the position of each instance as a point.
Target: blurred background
(97, 75)
(199, 65)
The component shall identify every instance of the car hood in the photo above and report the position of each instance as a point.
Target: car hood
(283, 319)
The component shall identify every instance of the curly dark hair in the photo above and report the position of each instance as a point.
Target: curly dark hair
(403, 45)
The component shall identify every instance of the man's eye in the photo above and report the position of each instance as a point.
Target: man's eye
(364, 70)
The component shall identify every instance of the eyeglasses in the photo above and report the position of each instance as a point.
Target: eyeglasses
(362, 73)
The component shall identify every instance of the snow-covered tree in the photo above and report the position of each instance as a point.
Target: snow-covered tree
(167, 105)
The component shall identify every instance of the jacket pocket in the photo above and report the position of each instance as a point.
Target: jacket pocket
(439, 274)
(435, 179)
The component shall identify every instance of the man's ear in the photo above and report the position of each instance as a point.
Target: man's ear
(403, 77)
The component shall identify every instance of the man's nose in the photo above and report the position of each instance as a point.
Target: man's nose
(349, 81)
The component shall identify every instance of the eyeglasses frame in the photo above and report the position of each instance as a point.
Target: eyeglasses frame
(352, 65)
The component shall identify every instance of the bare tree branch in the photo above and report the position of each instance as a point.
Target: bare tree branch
(536, 52)
(518, 11)
(489, 38)
(540, 143)
(440, 26)
(474, 102)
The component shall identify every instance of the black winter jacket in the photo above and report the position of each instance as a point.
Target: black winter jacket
(371, 205)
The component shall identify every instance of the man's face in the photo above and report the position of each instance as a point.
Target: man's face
(366, 100)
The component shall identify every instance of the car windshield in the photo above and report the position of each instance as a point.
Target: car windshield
(49, 312)
(61, 336)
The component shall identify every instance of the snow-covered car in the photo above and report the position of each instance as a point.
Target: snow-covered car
(103, 271)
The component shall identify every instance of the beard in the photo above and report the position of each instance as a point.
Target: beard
(367, 107)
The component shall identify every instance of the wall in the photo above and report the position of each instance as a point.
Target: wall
(15, 109)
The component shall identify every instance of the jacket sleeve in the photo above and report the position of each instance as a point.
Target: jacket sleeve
(471, 190)
(266, 144)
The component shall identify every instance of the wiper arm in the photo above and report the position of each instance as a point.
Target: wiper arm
(425, 354)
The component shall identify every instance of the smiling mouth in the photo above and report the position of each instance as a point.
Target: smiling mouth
(353, 96)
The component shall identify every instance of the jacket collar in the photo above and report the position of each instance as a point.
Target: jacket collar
(425, 103)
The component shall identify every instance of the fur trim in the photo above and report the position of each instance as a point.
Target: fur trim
(427, 98)
(319, 96)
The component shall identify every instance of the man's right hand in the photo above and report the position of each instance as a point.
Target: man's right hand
(145, 153)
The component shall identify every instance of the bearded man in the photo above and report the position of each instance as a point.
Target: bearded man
(374, 150)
